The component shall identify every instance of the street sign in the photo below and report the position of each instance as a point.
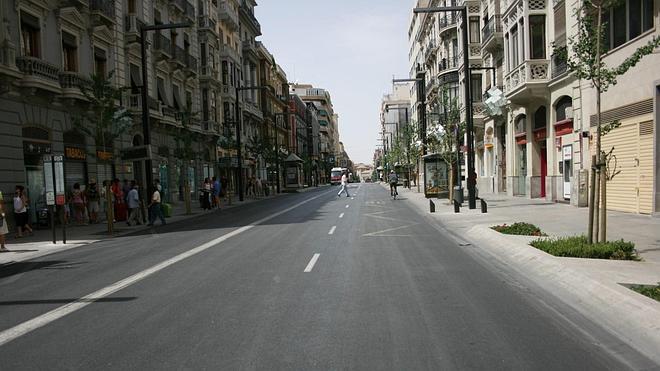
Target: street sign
(228, 161)
(48, 178)
(137, 153)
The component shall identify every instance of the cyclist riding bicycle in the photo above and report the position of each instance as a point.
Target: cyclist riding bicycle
(393, 179)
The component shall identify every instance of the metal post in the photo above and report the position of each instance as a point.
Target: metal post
(238, 145)
(277, 155)
(53, 208)
(146, 131)
(471, 181)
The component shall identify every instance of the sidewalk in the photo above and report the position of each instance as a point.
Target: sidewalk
(599, 289)
(41, 244)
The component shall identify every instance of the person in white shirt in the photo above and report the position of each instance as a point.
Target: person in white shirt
(344, 187)
(133, 201)
(155, 207)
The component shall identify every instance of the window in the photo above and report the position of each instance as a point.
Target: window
(627, 21)
(564, 108)
(69, 52)
(514, 48)
(225, 72)
(202, 54)
(214, 112)
(521, 124)
(475, 36)
(205, 104)
(475, 88)
(537, 36)
(540, 119)
(132, 8)
(100, 62)
(30, 36)
(226, 112)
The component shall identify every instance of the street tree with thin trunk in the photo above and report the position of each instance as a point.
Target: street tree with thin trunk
(444, 130)
(104, 120)
(584, 58)
(184, 139)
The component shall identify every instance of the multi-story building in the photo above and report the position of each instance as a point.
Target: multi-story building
(394, 114)
(327, 122)
(541, 145)
(50, 49)
(274, 102)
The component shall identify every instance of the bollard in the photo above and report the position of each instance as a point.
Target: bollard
(457, 207)
(432, 206)
(484, 206)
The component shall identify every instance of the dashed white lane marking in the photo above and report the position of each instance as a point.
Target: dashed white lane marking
(57, 313)
(332, 230)
(347, 206)
(341, 215)
(311, 263)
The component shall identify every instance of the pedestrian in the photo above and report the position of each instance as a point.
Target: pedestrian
(3, 225)
(93, 197)
(133, 202)
(125, 189)
(206, 193)
(258, 187)
(21, 212)
(344, 186)
(119, 203)
(224, 187)
(155, 210)
(78, 202)
(216, 192)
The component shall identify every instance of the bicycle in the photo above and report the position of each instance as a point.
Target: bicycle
(393, 191)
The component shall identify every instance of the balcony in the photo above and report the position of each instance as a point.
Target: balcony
(102, 11)
(559, 66)
(179, 56)
(249, 47)
(228, 15)
(430, 50)
(248, 14)
(162, 45)
(528, 80)
(475, 50)
(431, 86)
(447, 65)
(228, 52)
(190, 11)
(207, 72)
(492, 33)
(206, 23)
(39, 74)
(447, 22)
(179, 5)
(191, 63)
(132, 26)
(73, 84)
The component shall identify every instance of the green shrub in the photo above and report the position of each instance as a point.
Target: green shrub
(520, 229)
(651, 292)
(577, 247)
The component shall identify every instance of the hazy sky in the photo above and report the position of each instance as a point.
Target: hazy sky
(349, 47)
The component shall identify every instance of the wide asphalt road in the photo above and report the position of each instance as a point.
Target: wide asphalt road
(299, 282)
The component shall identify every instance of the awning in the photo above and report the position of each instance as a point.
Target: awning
(161, 92)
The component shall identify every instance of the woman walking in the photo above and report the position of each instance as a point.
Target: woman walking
(3, 226)
(78, 201)
(20, 212)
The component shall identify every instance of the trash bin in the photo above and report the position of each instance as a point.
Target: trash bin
(458, 194)
(43, 217)
(167, 210)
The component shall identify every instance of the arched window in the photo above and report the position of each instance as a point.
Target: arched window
(521, 124)
(33, 132)
(540, 118)
(564, 108)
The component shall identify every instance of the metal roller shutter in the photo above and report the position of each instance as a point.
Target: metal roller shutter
(104, 172)
(74, 172)
(631, 189)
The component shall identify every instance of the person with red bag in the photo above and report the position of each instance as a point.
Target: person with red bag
(120, 205)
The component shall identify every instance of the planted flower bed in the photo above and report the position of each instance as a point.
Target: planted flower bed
(520, 229)
(578, 247)
(650, 291)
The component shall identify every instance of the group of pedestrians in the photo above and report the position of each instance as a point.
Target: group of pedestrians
(211, 193)
(255, 187)
(21, 216)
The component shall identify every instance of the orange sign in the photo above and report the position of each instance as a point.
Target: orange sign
(75, 153)
(104, 155)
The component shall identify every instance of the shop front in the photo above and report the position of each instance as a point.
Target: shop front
(36, 144)
(75, 160)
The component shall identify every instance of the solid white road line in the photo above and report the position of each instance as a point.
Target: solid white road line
(332, 230)
(55, 314)
(310, 266)
(341, 215)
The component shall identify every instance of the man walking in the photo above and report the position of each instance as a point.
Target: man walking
(133, 202)
(155, 210)
(344, 186)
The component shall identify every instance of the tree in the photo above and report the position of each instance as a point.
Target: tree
(184, 138)
(105, 120)
(584, 59)
(443, 133)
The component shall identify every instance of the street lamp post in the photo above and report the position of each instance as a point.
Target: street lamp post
(471, 176)
(146, 130)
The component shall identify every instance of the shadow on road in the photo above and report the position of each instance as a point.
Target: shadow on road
(11, 269)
